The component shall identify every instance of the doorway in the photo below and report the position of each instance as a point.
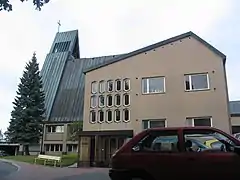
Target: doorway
(92, 151)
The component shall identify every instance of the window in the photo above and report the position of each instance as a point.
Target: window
(102, 86)
(93, 101)
(94, 87)
(55, 129)
(92, 117)
(72, 147)
(118, 85)
(109, 100)
(100, 116)
(110, 86)
(101, 101)
(117, 100)
(109, 116)
(126, 84)
(59, 129)
(196, 82)
(207, 140)
(52, 147)
(126, 99)
(153, 123)
(117, 115)
(200, 121)
(153, 85)
(61, 47)
(126, 115)
(164, 141)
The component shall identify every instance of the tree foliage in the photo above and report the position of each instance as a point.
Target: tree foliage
(28, 111)
(5, 5)
(75, 128)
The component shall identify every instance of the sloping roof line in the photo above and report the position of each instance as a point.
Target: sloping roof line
(159, 44)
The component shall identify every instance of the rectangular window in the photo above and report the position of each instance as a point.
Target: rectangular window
(196, 82)
(59, 129)
(153, 85)
(199, 121)
(153, 123)
(61, 47)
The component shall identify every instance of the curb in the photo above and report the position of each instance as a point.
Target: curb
(11, 163)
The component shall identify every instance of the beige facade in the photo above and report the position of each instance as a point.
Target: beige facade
(180, 83)
(173, 103)
(56, 139)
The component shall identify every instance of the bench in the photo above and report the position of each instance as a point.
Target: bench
(47, 158)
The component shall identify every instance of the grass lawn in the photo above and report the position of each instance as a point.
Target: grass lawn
(67, 160)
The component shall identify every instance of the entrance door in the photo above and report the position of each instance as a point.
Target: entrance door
(92, 151)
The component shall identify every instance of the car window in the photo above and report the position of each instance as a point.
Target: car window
(164, 141)
(206, 141)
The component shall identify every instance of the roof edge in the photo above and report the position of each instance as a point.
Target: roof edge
(156, 45)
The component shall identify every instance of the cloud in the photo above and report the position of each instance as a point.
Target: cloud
(105, 27)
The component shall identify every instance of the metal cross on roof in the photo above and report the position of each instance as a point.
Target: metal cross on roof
(59, 24)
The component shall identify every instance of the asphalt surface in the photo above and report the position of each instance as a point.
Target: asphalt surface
(86, 176)
(6, 169)
(27, 171)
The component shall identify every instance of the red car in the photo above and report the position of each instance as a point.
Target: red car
(172, 153)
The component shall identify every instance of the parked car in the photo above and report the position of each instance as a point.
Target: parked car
(237, 135)
(168, 153)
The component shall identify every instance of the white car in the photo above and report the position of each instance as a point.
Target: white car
(237, 136)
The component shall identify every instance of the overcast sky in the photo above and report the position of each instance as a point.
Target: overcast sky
(110, 27)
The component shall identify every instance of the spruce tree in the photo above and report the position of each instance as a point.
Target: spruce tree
(28, 111)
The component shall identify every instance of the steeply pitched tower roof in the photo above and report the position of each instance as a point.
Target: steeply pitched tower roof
(62, 49)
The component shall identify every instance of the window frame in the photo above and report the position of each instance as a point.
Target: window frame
(90, 117)
(123, 101)
(104, 85)
(129, 84)
(115, 100)
(126, 121)
(117, 80)
(190, 82)
(203, 117)
(100, 101)
(115, 119)
(92, 96)
(109, 110)
(107, 100)
(92, 87)
(149, 122)
(108, 86)
(152, 77)
(98, 116)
